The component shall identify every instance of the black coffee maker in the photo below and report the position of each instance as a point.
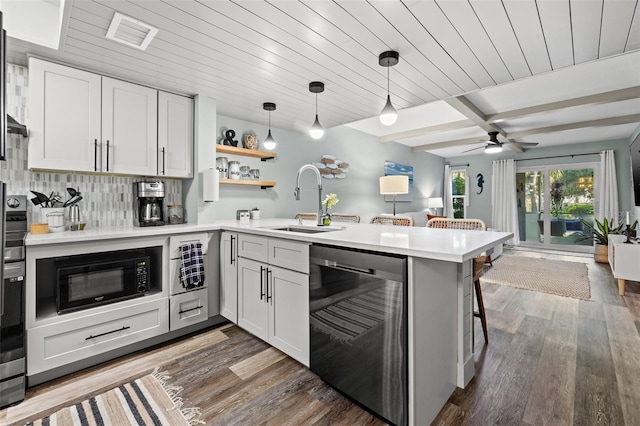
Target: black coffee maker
(149, 199)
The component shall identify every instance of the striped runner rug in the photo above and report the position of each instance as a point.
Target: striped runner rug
(148, 400)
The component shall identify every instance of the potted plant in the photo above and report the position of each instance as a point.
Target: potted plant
(599, 233)
(329, 201)
(255, 213)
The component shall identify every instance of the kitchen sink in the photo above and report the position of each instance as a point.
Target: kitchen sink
(307, 229)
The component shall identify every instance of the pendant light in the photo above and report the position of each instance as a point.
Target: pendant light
(316, 131)
(388, 115)
(269, 142)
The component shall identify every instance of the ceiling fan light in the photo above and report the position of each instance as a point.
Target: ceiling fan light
(388, 115)
(269, 142)
(316, 131)
(492, 149)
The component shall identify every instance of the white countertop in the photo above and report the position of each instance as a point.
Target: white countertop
(441, 244)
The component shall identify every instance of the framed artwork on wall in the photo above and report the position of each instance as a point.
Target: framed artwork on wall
(392, 169)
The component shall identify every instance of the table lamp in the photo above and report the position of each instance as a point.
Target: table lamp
(435, 203)
(393, 185)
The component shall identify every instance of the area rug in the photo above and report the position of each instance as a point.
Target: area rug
(145, 401)
(569, 279)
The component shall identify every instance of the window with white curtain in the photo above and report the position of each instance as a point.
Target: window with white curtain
(460, 191)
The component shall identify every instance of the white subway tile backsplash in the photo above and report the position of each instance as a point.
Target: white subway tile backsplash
(107, 200)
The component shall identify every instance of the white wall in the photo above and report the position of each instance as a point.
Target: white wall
(358, 192)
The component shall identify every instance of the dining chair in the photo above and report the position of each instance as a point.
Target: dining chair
(306, 216)
(392, 220)
(466, 224)
(478, 268)
(341, 217)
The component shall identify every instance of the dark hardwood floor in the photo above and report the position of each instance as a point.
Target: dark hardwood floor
(550, 361)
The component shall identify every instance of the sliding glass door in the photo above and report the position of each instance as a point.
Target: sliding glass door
(552, 200)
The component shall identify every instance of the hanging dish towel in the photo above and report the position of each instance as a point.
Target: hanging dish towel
(192, 266)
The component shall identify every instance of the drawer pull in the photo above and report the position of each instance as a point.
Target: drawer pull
(108, 332)
(189, 310)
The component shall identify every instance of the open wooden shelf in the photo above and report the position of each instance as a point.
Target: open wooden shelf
(262, 155)
(261, 183)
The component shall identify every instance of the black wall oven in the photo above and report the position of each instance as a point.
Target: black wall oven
(85, 281)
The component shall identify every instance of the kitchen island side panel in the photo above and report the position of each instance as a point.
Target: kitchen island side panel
(433, 333)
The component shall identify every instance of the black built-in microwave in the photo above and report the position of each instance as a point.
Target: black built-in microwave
(90, 280)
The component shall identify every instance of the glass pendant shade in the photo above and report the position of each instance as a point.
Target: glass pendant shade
(388, 115)
(316, 131)
(269, 142)
(492, 149)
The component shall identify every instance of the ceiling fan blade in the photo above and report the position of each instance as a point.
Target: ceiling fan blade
(524, 144)
(473, 149)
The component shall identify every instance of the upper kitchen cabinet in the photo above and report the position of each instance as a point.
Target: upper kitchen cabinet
(175, 135)
(65, 109)
(129, 128)
(85, 122)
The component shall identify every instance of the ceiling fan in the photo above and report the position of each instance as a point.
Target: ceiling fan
(495, 145)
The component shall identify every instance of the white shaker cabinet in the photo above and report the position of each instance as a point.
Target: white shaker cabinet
(129, 128)
(85, 122)
(273, 292)
(65, 110)
(175, 135)
(229, 276)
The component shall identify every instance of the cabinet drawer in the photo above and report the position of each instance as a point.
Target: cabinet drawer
(61, 343)
(253, 247)
(178, 240)
(289, 255)
(188, 308)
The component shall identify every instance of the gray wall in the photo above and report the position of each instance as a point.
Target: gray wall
(358, 192)
(480, 205)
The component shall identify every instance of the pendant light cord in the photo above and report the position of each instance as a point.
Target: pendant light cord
(388, 80)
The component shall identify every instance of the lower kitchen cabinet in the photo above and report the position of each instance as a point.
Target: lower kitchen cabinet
(273, 304)
(229, 276)
(64, 342)
(188, 308)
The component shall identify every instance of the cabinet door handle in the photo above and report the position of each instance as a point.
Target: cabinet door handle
(95, 155)
(108, 332)
(269, 285)
(163, 161)
(262, 294)
(189, 310)
(107, 155)
(232, 255)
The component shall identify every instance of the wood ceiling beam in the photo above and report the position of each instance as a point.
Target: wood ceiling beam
(599, 98)
(454, 125)
(447, 144)
(469, 110)
(611, 121)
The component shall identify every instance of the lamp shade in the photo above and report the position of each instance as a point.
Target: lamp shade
(435, 203)
(398, 184)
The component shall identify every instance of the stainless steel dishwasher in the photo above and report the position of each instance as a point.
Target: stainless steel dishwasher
(358, 327)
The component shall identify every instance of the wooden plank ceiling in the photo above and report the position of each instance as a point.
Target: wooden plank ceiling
(244, 53)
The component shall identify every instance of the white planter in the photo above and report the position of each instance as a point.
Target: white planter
(255, 214)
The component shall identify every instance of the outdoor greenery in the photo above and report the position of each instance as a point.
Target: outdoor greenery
(579, 209)
(458, 183)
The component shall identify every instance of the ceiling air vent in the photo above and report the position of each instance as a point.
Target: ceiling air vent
(131, 32)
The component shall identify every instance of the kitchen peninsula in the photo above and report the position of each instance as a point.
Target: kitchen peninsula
(439, 301)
